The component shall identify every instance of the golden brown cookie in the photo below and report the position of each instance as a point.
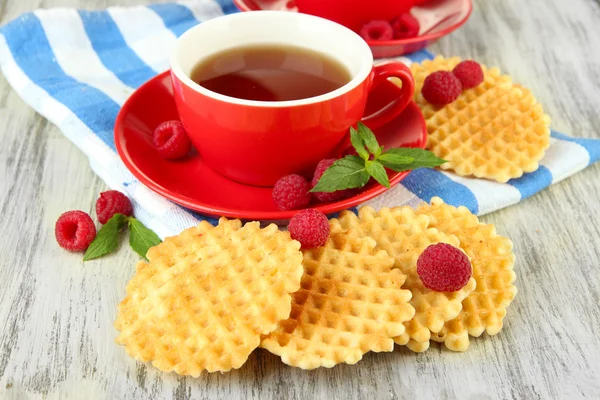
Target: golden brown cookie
(492, 260)
(351, 302)
(496, 130)
(206, 296)
(404, 235)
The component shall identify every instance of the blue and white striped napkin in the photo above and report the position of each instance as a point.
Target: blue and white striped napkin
(77, 68)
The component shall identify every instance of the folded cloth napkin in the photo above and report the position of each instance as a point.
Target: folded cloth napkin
(77, 68)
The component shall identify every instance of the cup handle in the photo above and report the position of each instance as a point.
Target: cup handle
(382, 72)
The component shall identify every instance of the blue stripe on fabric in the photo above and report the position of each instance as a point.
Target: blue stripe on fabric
(531, 183)
(591, 145)
(200, 217)
(429, 53)
(112, 49)
(228, 6)
(337, 214)
(27, 42)
(176, 17)
(419, 56)
(427, 183)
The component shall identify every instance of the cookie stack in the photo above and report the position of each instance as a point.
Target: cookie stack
(207, 298)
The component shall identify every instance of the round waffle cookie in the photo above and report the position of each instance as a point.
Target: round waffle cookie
(495, 130)
(404, 235)
(351, 302)
(492, 260)
(206, 296)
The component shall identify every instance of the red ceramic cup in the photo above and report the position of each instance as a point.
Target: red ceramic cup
(355, 13)
(258, 142)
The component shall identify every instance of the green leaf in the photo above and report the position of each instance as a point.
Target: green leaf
(369, 139)
(141, 238)
(420, 159)
(358, 144)
(394, 158)
(107, 238)
(346, 173)
(376, 170)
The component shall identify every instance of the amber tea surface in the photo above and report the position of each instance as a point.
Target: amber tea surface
(270, 73)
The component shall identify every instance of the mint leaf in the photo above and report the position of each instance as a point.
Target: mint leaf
(369, 139)
(346, 173)
(107, 238)
(141, 238)
(376, 170)
(392, 157)
(356, 171)
(420, 159)
(358, 144)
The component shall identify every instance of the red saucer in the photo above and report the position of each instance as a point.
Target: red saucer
(192, 184)
(437, 18)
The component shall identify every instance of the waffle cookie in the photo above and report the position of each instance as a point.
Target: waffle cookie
(496, 130)
(206, 296)
(351, 302)
(492, 260)
(404, 235)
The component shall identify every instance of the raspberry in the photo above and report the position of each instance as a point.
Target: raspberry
(322, 167)
(443, 268)
(291, 192)
(377, 30)
(110, 203)
(441, 87)
(74, 231)
(309, 227)
(469, 73)
(171, 140)
(327, 197)
(405, 26)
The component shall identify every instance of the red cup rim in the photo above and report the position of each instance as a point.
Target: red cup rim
(366, 68)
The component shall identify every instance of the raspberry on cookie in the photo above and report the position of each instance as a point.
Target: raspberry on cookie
(469, 73)
(444, 268)
(441, 87)
(309, 227)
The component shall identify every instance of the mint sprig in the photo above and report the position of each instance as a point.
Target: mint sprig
(405, 159)
(348, 172)
(372, 160)
(358, 144)
(107, 238)
(369, 138)
(377, 171)
(141, 238)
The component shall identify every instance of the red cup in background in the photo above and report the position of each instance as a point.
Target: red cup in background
(355, 13)
(258, 142)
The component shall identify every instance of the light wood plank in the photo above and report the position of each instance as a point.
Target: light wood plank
(57, 313)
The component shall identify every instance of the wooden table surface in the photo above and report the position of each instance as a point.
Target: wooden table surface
(56, 313)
